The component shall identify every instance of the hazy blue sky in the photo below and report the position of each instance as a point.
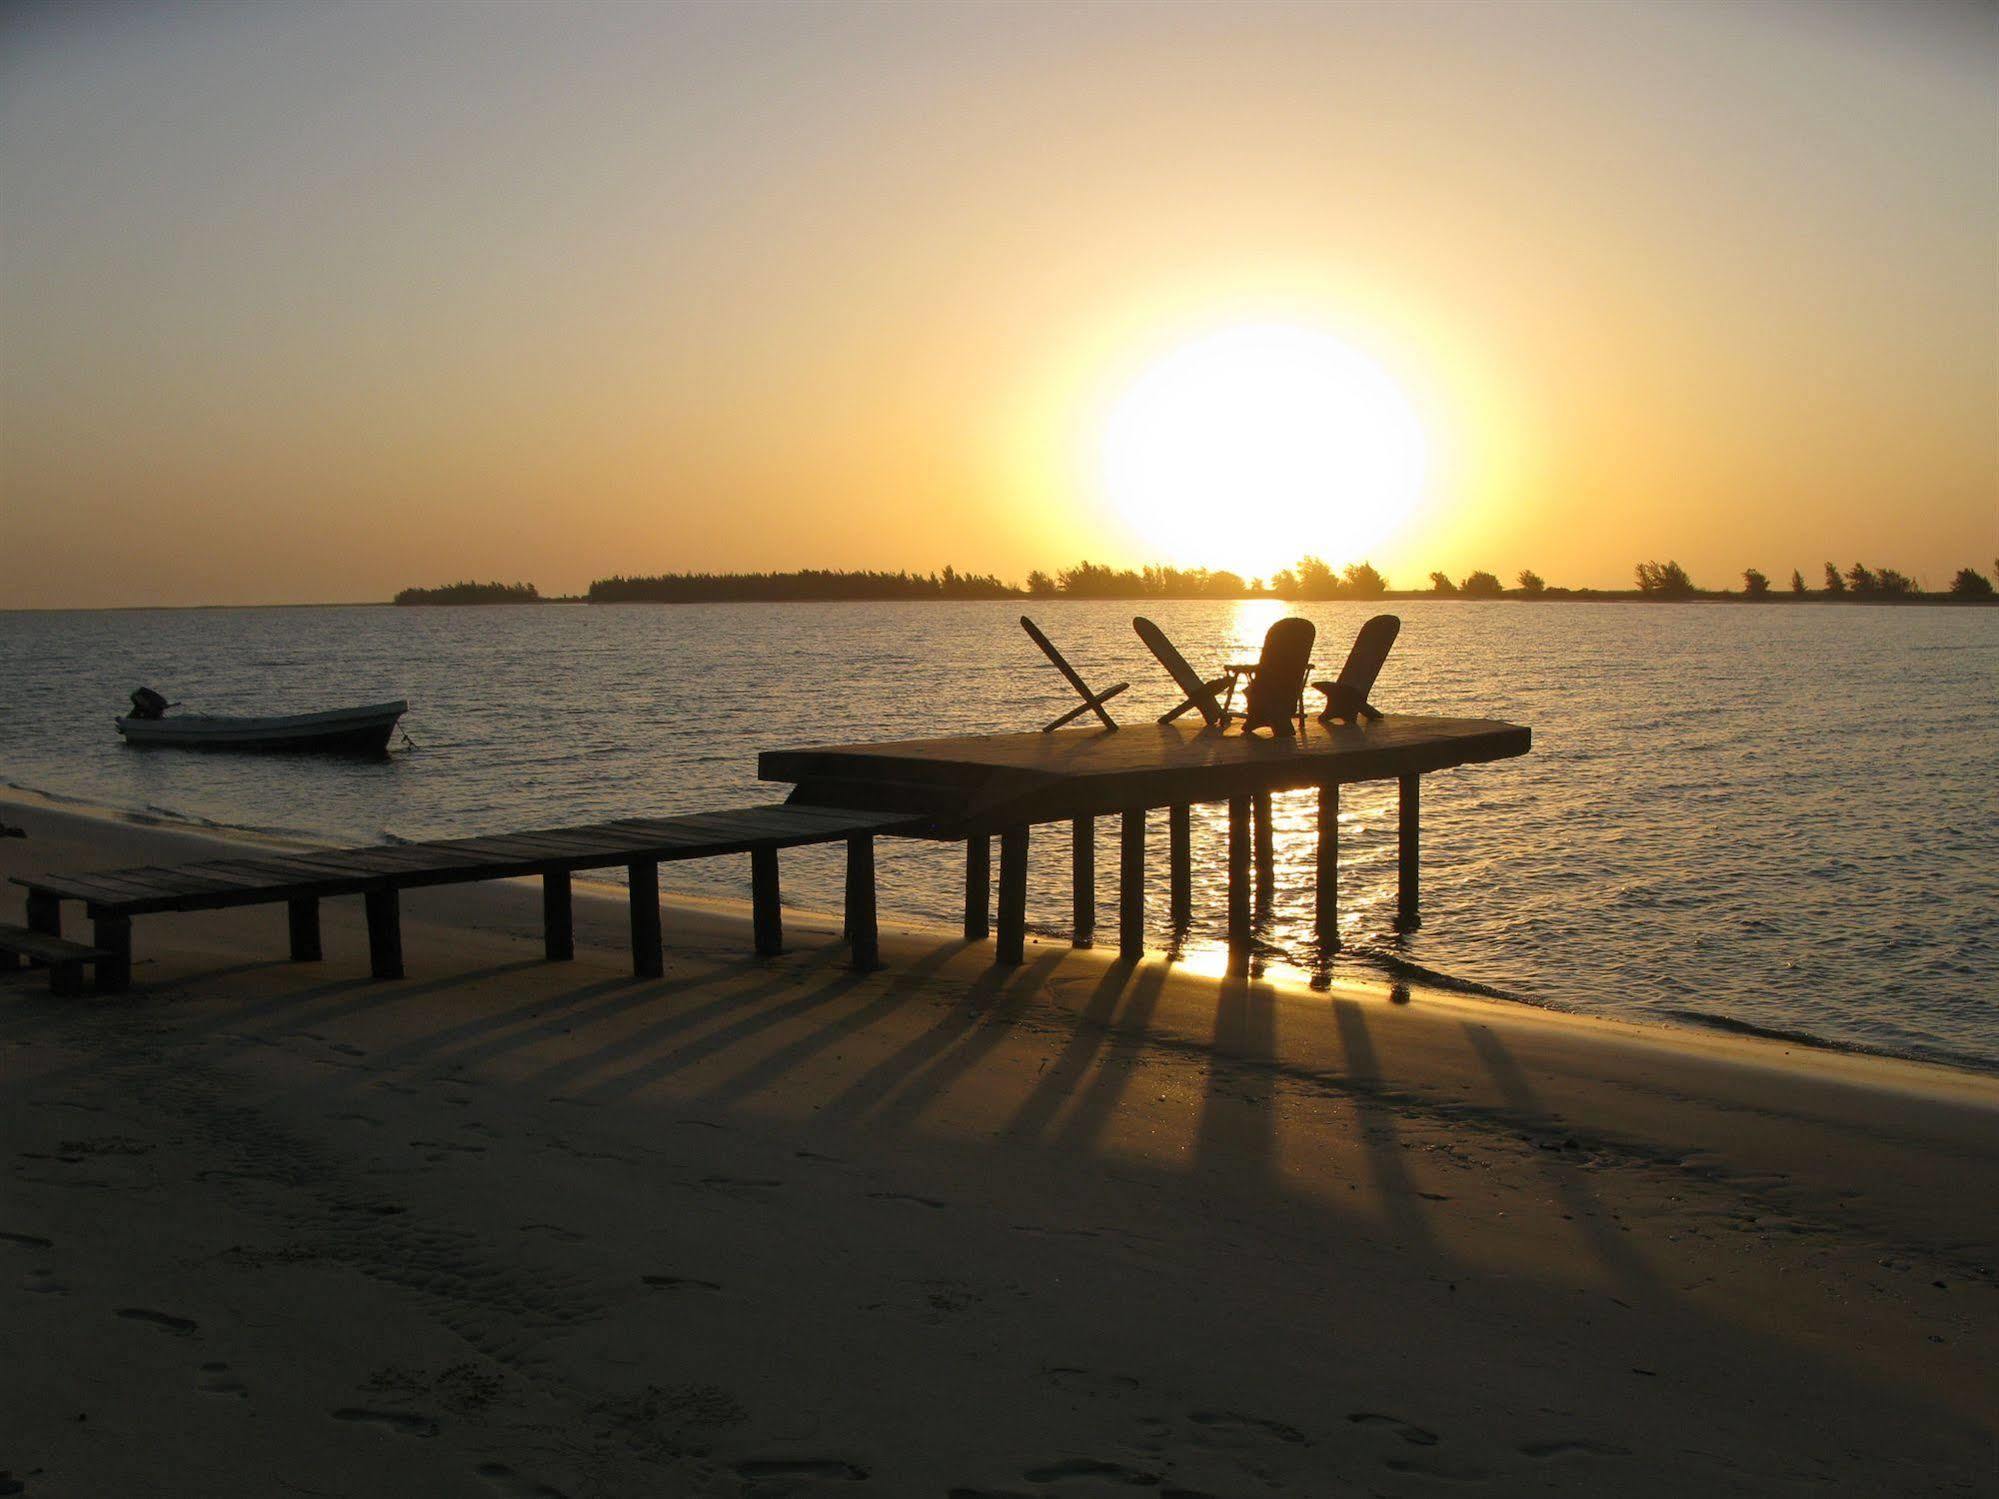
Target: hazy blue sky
(313, 301)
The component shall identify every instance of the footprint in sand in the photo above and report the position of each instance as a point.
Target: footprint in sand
(403, 1423)
(1092, 1467)
(927, 1202)
(218, 1379)
(757, 1469)
(27, 1241)
(1573, 1447)
(1232, 1428)
(680, 1283)
(179, 1326)
(1416, 1436)
(514, 1485)
(43, 1283)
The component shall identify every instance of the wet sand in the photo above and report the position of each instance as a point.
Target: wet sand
(1079, 1228)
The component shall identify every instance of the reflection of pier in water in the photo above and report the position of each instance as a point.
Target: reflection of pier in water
(976, 787)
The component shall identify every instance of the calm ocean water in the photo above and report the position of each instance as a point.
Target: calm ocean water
(1782, 818)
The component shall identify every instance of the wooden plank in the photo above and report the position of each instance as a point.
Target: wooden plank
(154, 882)
(1011, 944)
(107, 887)
(1409, 828)
(42, 948)
(500, 852)
(862, 928)
(978, 888)
(1082, 881)
(1131, 887)
(385, 932)
(558, 916)
(643, 877)
(766, 908)
(1327, 918)
(239, 874)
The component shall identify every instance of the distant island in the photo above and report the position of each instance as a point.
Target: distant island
(1310, 579)
(809, 586)
(472, 593)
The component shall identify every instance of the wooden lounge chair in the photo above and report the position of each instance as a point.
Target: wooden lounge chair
(1277, 690)
(1200, 694)
(1346, 695)
(1276, 682)
(1093, 702)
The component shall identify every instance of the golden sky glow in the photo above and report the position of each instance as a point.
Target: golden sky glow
(316, 302)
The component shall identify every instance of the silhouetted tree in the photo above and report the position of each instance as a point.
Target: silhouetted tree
(1532, 583)
(1971, 585)
(1664, 580)
(1481, 585)
(811, 585)
(1860, 580)
(1834, 583)
(1315, 579)
(1363, 582)
(1797, 581)
(1754, 583)
(1891, 584)
(1441, 583)
(1039, 584)
(1284, 584)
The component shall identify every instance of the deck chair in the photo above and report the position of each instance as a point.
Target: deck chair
(1200, 694)
(1277, 690)
(1346, 696)
(1093, 702)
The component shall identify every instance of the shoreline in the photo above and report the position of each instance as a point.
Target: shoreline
(1394, 972)
(729, 919)
(768, 1226)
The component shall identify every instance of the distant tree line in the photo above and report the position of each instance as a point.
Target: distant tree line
(472, 593)
(1310, 579)
(811, 585)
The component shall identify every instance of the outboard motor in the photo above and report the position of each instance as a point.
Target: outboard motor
(147, 703)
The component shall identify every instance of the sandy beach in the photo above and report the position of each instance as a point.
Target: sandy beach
(1077, 1228)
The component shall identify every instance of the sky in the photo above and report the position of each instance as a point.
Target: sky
(312, 302)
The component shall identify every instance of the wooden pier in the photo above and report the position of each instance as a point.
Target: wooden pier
(379, 875)
(978, 786)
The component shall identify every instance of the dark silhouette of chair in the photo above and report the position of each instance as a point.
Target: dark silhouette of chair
(1346, 695)
(1276, 693)
(1287, 654)
(1200, 694)
(1093, 702)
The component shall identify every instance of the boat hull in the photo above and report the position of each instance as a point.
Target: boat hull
(338, 731)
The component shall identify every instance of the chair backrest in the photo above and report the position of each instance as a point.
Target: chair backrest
(1280, 672)
(1370, 649)
(1201, 694)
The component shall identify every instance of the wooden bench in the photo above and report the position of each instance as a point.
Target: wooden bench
(378, 875)
(63, 959)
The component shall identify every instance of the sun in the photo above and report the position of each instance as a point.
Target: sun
(1254, 445)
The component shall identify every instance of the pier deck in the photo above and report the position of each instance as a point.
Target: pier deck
(974, 786)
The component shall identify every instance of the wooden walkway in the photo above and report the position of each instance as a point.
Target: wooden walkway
(976, 786)
(379, 874)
